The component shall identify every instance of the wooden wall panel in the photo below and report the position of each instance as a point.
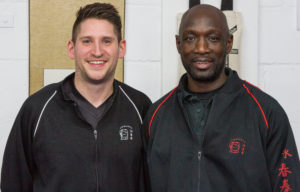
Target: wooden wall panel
(50, 29)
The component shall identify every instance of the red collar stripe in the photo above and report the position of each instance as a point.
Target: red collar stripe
(263, 113)
(149, 129)
(253, 85)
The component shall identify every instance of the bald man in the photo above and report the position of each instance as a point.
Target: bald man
(216, 132)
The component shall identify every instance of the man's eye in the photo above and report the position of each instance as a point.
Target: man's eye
(214, 38)
(106, 41)
(86, 41)
(190, 38)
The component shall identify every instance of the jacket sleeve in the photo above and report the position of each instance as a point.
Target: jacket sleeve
(17, 164)
(145, 139)
(282, 155)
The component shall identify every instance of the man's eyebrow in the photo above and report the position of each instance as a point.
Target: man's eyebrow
(103, 37)
(84, 37)
(108, 37)
(215, 31)
(192, 31)
(186, 32)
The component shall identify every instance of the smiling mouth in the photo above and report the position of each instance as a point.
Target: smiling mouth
(97, 62)
(202, 64)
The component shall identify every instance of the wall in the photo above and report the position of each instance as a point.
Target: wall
(270, 54)
(142, 68)
(13, 63)
(279, 56)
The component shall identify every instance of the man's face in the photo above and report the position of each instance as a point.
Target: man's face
(203, 43)
(96, 51)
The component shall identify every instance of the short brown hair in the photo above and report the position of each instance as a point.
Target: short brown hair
(99, 11)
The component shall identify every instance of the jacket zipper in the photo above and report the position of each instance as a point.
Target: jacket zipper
(96, 165)
(199, 161)
(95, 133)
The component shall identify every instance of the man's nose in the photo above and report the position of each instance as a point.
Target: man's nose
(202, 46)
(97, 50)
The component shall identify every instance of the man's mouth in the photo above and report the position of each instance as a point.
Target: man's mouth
(202, 63)
(96, 62)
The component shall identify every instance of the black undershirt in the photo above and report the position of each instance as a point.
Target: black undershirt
(90, 113)
(197, 107)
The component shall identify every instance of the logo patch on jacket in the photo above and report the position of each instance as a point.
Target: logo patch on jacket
(237, 146)
(126, 133)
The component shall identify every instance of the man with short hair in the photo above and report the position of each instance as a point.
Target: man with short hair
(82, 134)
(216, 132)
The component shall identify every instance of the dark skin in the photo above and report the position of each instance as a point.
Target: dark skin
(203, 43)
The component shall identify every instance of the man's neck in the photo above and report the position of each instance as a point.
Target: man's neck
(96, 94)
(205, 87)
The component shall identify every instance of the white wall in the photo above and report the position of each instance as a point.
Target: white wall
(13, 63)
(270, 52)
(279, 57)
(142, 67)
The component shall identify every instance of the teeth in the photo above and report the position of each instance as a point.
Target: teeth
(202, 62)
(96, 62)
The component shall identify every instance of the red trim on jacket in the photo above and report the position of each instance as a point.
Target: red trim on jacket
(253, 85)
(262, 111)
(149, 129)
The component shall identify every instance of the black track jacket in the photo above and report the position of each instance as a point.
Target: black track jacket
(52, 149)
(248, 144)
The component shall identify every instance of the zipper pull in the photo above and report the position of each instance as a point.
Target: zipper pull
(199, 155)
(95, 133)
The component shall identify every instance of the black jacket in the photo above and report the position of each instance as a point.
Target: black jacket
(248, 144)
(52, 149)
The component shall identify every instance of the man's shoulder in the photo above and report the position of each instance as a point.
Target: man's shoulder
(162, 102)
(132, 93)
(41, 96)
(167, 96)
(35, 103)
(267, 104)
(260, 95)
(139, 99)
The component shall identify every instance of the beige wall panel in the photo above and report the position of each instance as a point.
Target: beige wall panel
(50, 29)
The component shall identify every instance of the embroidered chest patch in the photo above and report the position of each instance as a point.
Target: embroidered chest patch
(126, 133)
(237, 146)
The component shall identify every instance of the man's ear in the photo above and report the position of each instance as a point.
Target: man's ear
(178, 43)
(229, 44)
(122, 48)
(70, 49)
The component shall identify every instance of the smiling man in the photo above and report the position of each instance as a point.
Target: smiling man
(216, 132)
(81, 134)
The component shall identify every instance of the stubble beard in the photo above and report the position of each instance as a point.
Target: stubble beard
(205, 76)
(85, 77)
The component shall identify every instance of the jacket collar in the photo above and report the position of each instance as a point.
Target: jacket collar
(66, 89)
(232, 84)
